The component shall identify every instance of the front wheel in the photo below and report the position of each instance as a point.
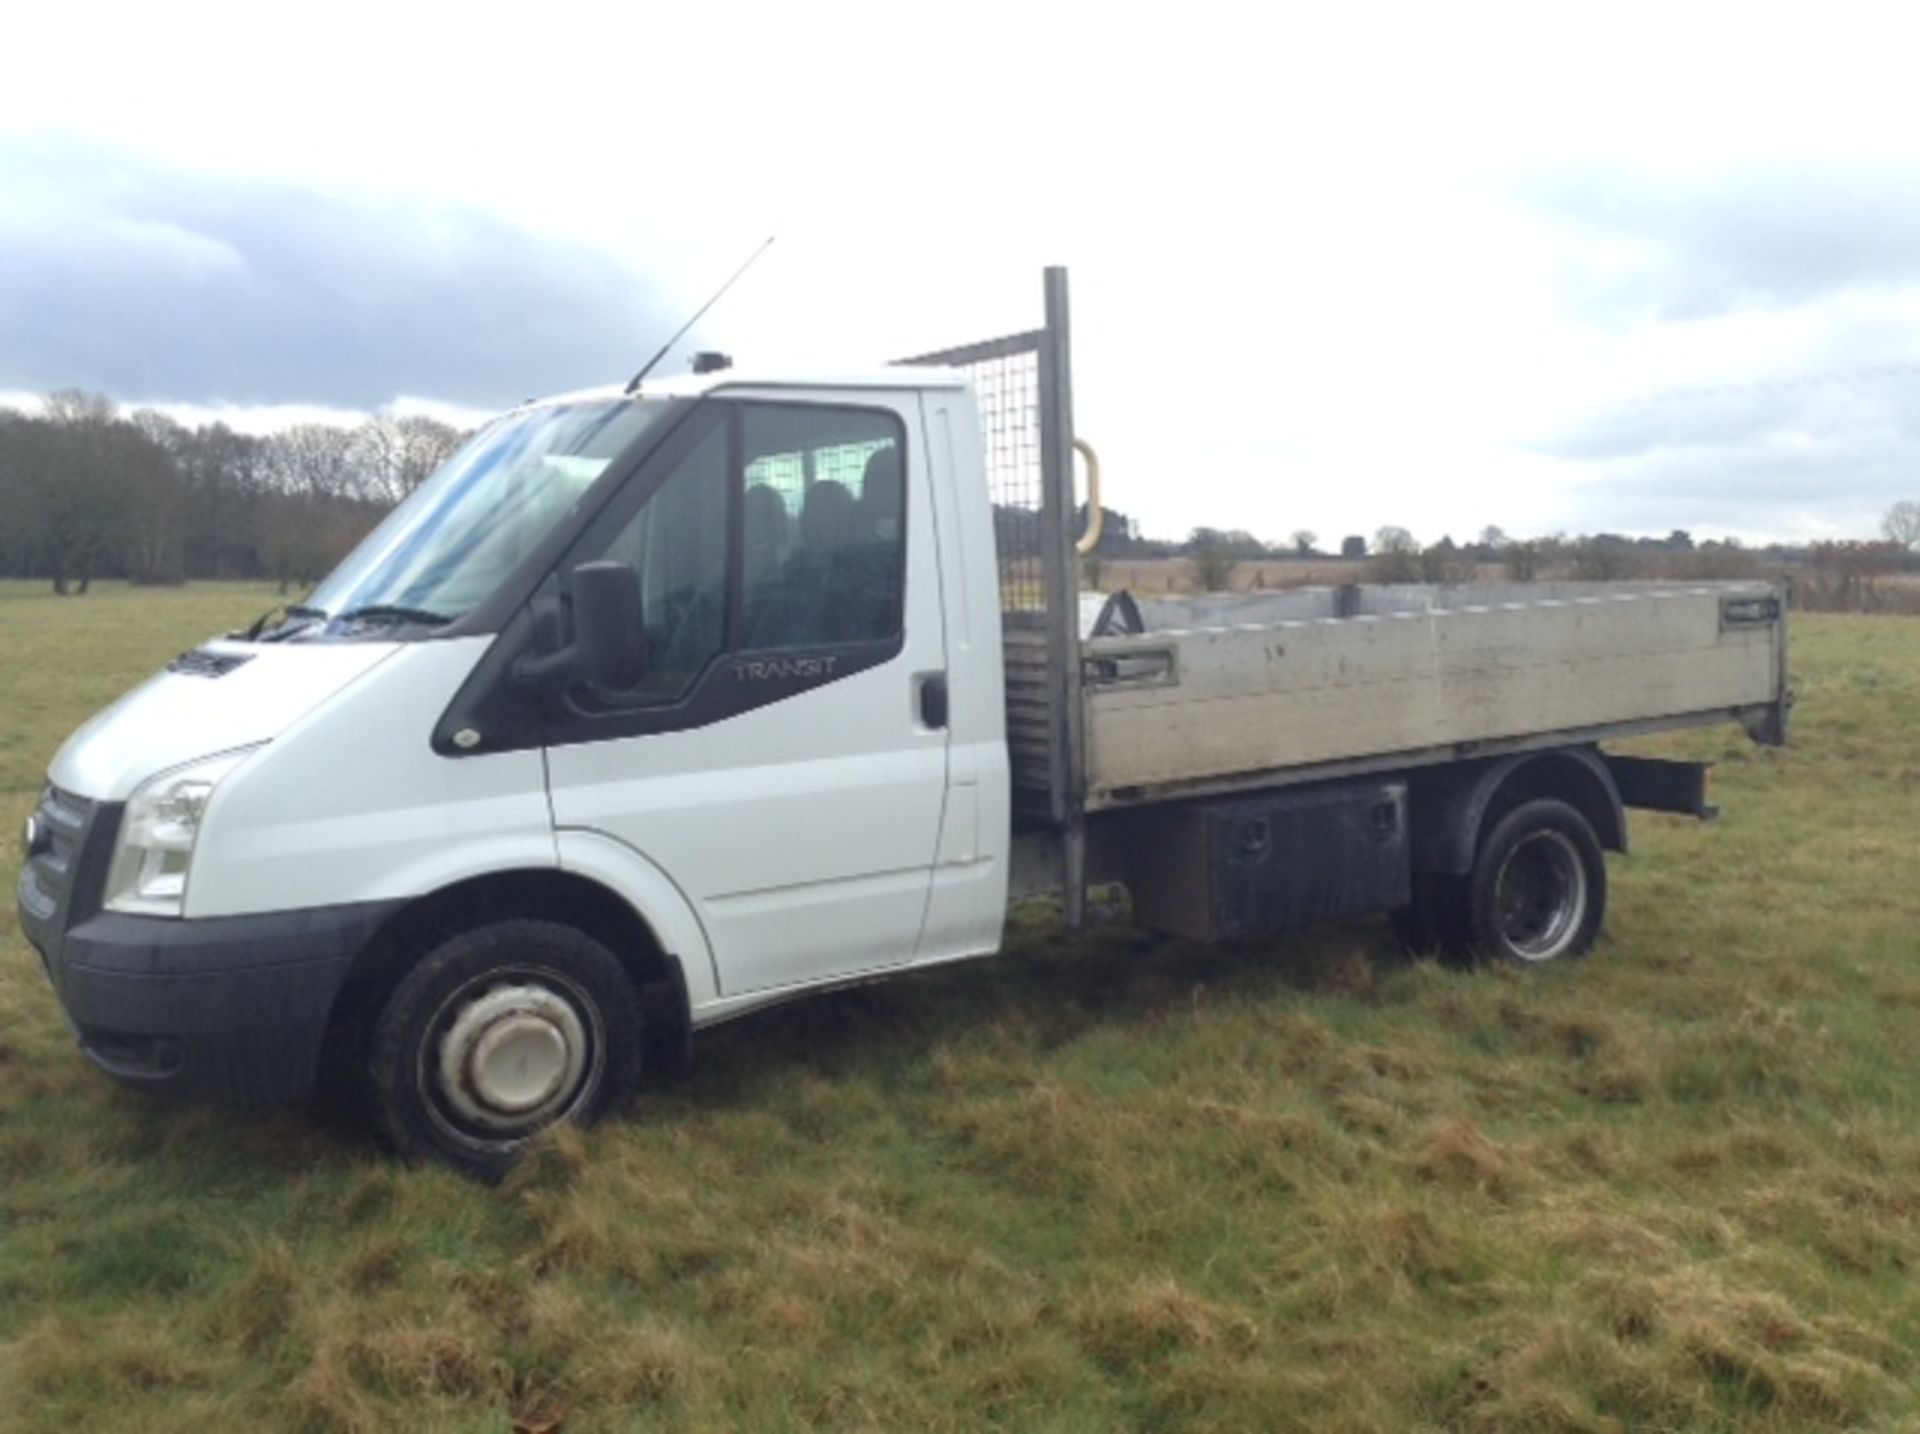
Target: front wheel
(1538, 891)
(498, 1033)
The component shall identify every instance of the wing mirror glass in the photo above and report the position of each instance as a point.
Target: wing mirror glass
(607, 634)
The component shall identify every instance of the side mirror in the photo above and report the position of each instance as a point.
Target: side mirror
(609, 639)
(609, 642)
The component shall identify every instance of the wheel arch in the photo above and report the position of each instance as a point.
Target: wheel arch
(565, 897)
(1453, 807)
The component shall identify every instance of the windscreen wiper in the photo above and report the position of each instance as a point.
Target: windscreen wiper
(390, 612)
(286, 611)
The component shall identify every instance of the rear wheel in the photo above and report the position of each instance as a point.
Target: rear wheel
(497, 1034)
(1538, 891)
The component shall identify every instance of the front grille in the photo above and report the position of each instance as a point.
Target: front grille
(46, 881)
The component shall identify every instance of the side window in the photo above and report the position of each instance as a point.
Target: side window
(823, 547)
(816, 496)
(677, 543)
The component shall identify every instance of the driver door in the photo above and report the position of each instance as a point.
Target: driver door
(774, 760)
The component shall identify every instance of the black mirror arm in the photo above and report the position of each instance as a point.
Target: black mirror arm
(537, 669)
(551, 657)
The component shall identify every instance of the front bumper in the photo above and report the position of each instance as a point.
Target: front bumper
(230, 1009)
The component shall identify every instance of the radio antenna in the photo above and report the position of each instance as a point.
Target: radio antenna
(682, 331)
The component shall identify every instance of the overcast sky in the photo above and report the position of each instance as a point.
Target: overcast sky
(1628, 268)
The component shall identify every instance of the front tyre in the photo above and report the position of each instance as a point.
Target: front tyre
(1538, 891)
(498, 1033)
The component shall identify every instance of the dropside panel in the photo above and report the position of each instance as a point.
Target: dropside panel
(1188, 707)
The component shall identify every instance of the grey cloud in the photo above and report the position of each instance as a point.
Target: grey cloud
(1820, 428)
(1767, 483)
(1757, 461)
(1649, 427)
(1732, 242)
(1879, 408)
(159, 285)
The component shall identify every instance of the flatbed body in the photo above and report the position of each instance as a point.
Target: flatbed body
(1262, 689)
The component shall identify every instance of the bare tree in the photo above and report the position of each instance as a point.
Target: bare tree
(88, 492)
(1395, 556)
(425, 443)
(314, 460)
(393, 456)
(26, 461)
(75, 508)
(1214, 556)
(375, 465)
(1521, 561)
(1902, 524)
(1846, 576)
(1303, 540)
(78, 408)
(1605, 558)
(320, 505)
(1444, 562)
(155, 497)
(224, 473)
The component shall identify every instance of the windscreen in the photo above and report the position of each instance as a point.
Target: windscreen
(449, 546)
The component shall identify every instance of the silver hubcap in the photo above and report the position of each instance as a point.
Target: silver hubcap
(512, 1057)
(1541, 895)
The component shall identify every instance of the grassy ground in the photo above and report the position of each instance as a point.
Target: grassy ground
(1104, 1184)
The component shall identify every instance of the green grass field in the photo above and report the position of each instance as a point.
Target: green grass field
(1096, 1185)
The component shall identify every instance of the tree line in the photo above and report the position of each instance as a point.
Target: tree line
(87, 491)
(1395, 555)
(1600, 556)
(1839, 574)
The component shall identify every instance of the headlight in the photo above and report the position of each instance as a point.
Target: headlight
(155, 847)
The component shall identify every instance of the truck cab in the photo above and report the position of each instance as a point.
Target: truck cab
(669, 702)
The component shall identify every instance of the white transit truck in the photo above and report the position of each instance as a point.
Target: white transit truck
(654, 706)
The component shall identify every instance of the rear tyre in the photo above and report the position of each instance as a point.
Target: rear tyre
(1538, 891)
(499, 1033)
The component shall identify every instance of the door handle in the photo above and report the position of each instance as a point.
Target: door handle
(933, 700)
